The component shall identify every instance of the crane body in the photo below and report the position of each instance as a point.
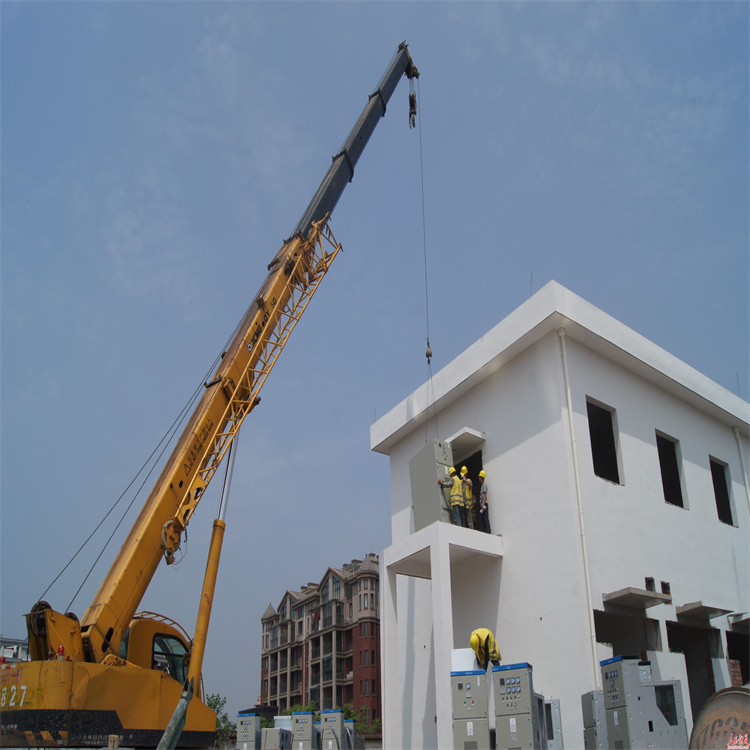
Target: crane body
(120, 672)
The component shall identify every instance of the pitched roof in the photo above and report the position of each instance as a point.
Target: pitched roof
(270, 612)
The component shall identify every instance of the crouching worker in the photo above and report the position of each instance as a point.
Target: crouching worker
(485, 647)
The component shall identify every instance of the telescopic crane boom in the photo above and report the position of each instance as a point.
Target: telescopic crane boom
(59, 695)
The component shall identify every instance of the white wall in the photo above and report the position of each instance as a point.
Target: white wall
(541, 613)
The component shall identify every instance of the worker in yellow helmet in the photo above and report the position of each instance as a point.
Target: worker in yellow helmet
(468, 497)
(485, 647)
(456, 495)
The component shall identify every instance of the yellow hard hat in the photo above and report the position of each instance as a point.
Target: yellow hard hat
(452, 470)
(464, 470)
(474, 641)
(482, 474)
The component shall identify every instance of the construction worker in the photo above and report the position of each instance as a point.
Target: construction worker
(484, 513)
(485, 647)
(468, 497)
(456, 494)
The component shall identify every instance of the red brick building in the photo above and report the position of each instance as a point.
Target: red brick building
(322, 644)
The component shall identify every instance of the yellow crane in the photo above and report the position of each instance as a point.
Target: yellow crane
(119, 672)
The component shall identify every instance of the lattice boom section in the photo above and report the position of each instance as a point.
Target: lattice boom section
(304, 277)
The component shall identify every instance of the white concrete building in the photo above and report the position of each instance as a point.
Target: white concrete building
(619, 502)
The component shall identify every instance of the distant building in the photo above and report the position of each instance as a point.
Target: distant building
(14, 649)
(618, 500)
(322, 644)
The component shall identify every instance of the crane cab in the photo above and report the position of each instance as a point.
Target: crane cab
(155, 642)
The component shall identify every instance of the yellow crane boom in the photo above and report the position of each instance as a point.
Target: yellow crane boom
(104, 671)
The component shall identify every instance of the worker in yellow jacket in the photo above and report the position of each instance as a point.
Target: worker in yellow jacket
(456, 494)
(468, 497)
(485, 647)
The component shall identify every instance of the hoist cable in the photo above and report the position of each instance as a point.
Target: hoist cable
(171, 430)
(428, 353)
(424, 222)
(165, 441)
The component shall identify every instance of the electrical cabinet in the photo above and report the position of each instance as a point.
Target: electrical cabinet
(594, 721)
(276, 739)
(430, 503)
(471, 725)
(248, 731)
(304, 732)
(332, 733)
(519, 712)
(639, 711)
(354, 741)
(553, 724)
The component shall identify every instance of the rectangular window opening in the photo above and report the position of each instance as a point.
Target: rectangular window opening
(721, 491)
(603, 442)
(669, 463)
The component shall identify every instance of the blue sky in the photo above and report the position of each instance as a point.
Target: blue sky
(155, 156)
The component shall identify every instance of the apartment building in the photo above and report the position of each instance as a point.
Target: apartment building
(322, 643)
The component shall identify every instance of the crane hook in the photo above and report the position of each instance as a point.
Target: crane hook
(428, 353)
(412, 110)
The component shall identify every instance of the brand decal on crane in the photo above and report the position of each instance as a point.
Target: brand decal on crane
(259, 328)
(196, 450)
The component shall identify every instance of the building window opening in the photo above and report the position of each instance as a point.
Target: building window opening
(721, 491)
(669, 463)
(603, 442)
(473, 464)
(699, 646)
(738, 653)
(627, 635)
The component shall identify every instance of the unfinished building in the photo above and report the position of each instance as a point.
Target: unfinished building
(618, 500)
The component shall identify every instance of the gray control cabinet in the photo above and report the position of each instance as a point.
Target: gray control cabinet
(332, 732)
(641, 712)
(594, 721)
(553, 724)
(430, 503)
(353, 739)
(276, 739)
(248, 731)
(519, 720)
(471, 725)
(304, 731)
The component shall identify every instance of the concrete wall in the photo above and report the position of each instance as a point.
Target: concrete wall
(535, 598)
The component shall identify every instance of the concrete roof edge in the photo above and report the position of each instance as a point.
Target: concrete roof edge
(550, 308)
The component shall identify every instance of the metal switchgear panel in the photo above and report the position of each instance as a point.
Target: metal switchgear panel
(276, 739)
(304, 733)
(469, 694)
(332, 733)
(641, 712)
(553, 724)
(594, 721)
(471, 726)
(429, 502)
(248, 731)
(518, 721)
